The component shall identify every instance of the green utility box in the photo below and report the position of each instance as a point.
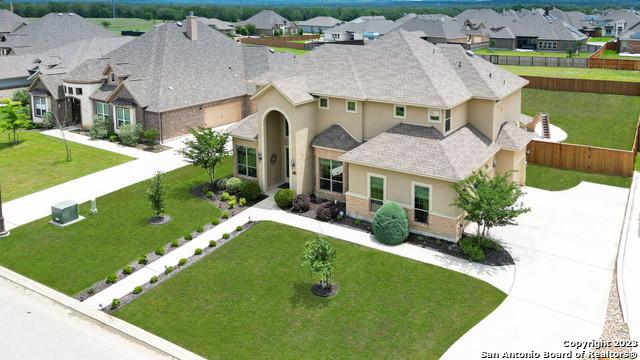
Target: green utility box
(64, 212)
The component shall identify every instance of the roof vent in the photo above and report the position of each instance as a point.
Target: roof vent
(170, 87)
(179, 23)
(70, 14)
(459, 63)
(59, 14)
(489, 74)
(470, 53)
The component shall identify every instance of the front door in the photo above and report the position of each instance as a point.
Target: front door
(286, 164)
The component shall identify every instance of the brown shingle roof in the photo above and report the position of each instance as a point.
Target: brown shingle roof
(335, 137)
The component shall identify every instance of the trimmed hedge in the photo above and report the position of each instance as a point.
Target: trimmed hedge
(284, 198)
(390, 224)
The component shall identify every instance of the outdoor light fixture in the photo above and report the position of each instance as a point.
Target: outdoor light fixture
(259, 156)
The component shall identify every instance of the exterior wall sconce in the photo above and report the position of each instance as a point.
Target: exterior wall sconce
(259, 156)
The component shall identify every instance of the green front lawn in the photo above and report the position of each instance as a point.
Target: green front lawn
(131, 24)
(600, 39)
(613, 55)
(289, 50)
(547, 178)
(575, 73)
(589, 119)
(72, 258)
(251, 299)
(39, 162)
(552, 54)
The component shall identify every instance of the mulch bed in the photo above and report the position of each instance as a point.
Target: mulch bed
(493, 257)
(201, 192)
(158, 148)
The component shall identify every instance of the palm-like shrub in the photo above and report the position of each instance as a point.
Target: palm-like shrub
(390, 224)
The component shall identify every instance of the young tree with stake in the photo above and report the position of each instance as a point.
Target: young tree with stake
(206, 150)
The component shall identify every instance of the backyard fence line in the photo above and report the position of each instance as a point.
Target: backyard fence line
(584, 85)
(537, 61)
(280, 41)
(584, 158)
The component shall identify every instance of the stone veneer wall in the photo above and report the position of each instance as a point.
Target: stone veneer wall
(438, 226)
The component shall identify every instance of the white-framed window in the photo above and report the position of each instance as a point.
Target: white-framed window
(421, 194)
(39, 106)
(434, 115)
(447, 120)
(323, 103)
(351, 106)
(123, 116)
(331, 175)
(246, 161)
(377, 191)
(102, 110)
(399, 111)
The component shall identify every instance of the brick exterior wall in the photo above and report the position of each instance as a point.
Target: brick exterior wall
(438, 226)
(630, 46)
(331, 155)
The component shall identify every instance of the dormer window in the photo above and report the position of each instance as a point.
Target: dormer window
(434, 116)
(323, 103)
(352, 106)
(399, 111)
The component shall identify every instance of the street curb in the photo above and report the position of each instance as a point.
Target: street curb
(125, 329)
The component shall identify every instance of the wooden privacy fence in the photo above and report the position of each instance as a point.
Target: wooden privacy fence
(280, 41)
(584, 158)
(584, 85)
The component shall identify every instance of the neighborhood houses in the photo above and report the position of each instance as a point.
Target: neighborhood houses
(244, 181)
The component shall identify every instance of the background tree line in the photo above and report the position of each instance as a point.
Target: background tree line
(235, 13)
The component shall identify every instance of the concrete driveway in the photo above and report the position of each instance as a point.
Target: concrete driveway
(565, 251)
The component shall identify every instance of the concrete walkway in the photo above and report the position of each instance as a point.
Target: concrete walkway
(99, 144)
(500, 277)
(565, 251)
(629, 263)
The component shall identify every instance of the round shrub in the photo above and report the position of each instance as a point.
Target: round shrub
(154, 279)
(127, 270)
(168, 270)
(115, 303)
(159, 251)
(113, 137)
(390, 224)
(130, 134)
(209, 194)
(175, 243)
(215, 221)
(182, 261)
(326, 211)
(199, 229)
(250, 190)
(225, 235)
(231, 203)
(238, 228)
(301, 203)
(233, 185)
(225, 215)
(225, 196)
(137, 289)
(111, 279)
(242, 201)
(284, 198)
(198, 252)
(188, 237)
(100, 128)
(212, 243)
(143, 260)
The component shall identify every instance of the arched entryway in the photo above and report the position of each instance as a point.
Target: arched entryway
(277, 154)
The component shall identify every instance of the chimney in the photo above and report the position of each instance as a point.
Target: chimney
(11, 6)
(546, 11)
(192, 27)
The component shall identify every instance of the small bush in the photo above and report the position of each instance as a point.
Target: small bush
(115, 303)
(250, 190)
(188, 237)
(357, 221)
(472, 249)
(238, 228)
(340, 217)
(175, 243)
(215, 221)
(199, 229)
(127, 270)
(143, 260)
(100, 128)
(113, 137)
(225, 235)
(242, 201)
(198, 252)
(159, 251)
(91, 291)
(301, 203)
(284, 198)
(182, 261)
(231, 203)
(130, 134)
(225, 196)
(390, 224)
(209, 194)
(137, 289)
(154, 279)
(168, 270)
(150, 136)
(233, 185)
(212, 243)
(225, 215)
(326, 211)
(112, 279)
(220, 184)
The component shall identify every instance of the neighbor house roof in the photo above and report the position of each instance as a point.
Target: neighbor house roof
(217, 23)
(53, 31)
(632, 33)
(266, 19)
(504, 33)
(489, 17)
(380, 26)
(246, 128)
(444, 27)
(10, 22)
(545, 28)
(320, 21)
(630, 17)
(367, 18)
(400, 68)
(165, 70)
(511, 137)
(424, 151)
(335, 137)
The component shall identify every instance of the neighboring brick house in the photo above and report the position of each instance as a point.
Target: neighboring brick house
(269, 23)
(172, 78)
(399, 120)
(630, 40)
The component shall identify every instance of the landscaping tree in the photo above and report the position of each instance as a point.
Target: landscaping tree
(105, 23)
(320, 257)
(155, 194)
(22, 96)
(251, 29)
(206, 150)
(489, 202)
(13, 118)
(51, 119)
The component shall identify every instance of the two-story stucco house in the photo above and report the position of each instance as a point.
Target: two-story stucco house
(397, 120)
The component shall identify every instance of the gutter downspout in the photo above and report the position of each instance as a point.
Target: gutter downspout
(160, 126)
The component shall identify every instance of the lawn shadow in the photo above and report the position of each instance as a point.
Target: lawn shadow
(302, 297)
(10, 144)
